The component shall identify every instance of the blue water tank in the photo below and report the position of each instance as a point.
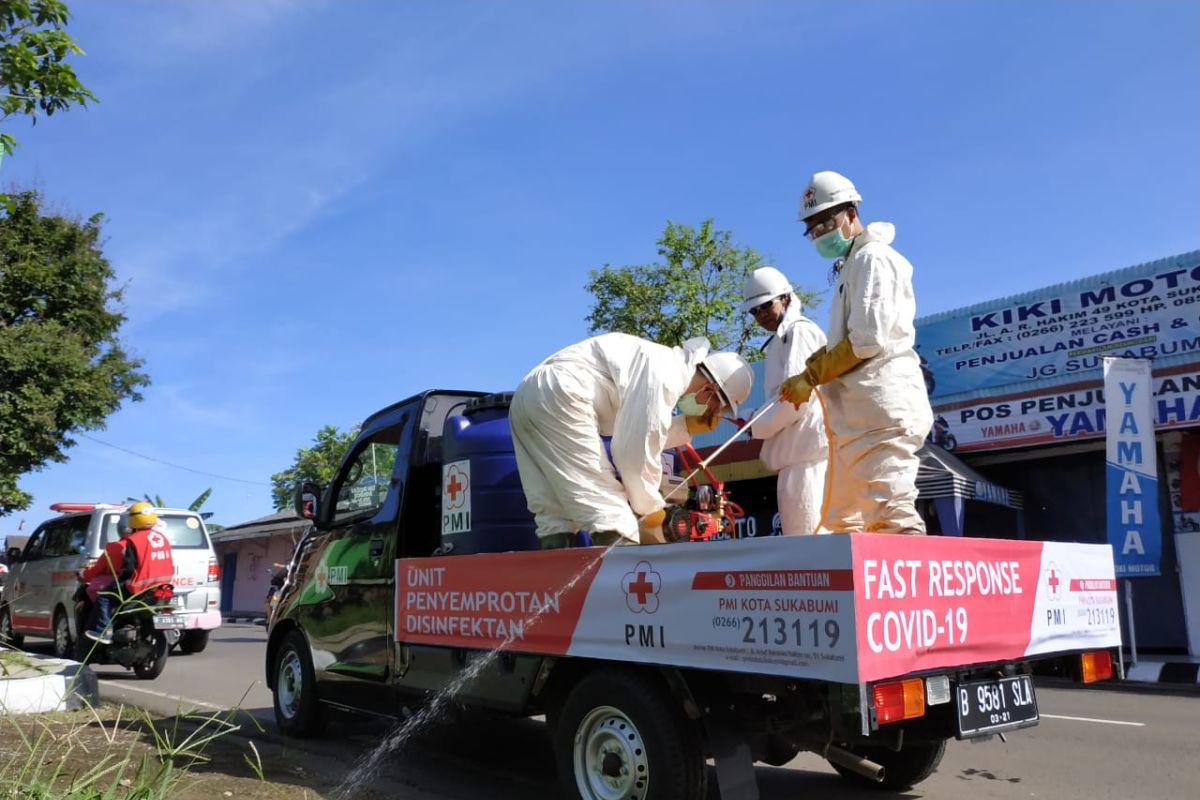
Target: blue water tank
(499, 516)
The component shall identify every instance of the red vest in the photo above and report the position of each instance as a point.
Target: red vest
(155, 566)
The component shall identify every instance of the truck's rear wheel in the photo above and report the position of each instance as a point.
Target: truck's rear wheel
(620, 736)
(903, 770)
(297, 711)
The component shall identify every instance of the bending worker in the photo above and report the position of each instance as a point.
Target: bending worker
(795, 445)
(876, 406)
(625, 387)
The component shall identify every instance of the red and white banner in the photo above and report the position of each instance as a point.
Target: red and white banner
(845, 608)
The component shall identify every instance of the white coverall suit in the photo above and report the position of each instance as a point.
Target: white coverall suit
(795, 443)
(878, 413)
(614, 384)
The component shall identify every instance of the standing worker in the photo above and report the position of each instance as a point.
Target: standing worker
(794, 438)
(625, 387)
(876, 406)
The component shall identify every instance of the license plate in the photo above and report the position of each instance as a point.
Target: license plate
(167, 621)
(988, 706)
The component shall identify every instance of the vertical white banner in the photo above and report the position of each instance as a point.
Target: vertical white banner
(1134, 530)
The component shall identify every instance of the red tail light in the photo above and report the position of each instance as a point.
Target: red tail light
(1096, 666)
(214, 570)
(163, 593)
(899, 700)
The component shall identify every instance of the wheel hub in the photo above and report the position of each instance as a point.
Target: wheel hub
(610, 757)
(289, 684)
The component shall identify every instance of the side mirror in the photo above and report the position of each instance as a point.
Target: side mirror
(13, 555)
(307, 494)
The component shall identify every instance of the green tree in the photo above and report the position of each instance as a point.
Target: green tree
(62, 367)
(34, 73)
(695, 291)
(317, 463)
(158, 502)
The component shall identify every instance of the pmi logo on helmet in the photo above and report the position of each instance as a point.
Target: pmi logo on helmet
(810, 197)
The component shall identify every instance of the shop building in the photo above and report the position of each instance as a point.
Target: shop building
(1019, 384)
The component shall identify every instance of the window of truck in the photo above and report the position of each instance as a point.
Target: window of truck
(363, 486)
(183, 531)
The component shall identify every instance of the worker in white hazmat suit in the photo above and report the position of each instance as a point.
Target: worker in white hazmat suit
(794, 443)
(876, 406)
(625, 387)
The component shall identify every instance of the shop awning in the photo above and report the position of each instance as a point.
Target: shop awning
(943, 474)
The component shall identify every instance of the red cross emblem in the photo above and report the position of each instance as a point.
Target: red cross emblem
(1053, 582)
(809, 194)
(641, 586)
(456, 486)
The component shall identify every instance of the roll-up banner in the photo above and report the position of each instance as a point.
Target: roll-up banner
(1132, 469)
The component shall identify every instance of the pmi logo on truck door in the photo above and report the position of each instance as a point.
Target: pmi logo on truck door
(456, 497)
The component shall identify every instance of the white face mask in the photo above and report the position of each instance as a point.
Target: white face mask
(689, 406)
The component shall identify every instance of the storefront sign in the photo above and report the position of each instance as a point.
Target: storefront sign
(1148, 311)
(1068, 413)
(1132, 469)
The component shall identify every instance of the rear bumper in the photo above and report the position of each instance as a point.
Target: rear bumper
(205, 620)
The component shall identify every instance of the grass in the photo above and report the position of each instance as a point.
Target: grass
(107, 753)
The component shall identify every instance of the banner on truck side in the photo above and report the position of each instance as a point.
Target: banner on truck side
(844, 608)
(1134, 530)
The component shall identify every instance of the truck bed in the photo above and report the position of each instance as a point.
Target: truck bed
(848, 608)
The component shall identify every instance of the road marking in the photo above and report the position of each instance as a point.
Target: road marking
(1093, 719)
(183, 701)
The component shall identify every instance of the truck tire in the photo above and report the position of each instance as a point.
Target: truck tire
(903, 770)
(620, 736)
(297, 711)
(7, 635)
(152, 667)
(193, 641)
(64, 645)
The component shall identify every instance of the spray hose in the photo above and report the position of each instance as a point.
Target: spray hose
(712, 456)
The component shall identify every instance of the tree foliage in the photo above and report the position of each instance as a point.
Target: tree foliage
(62, 367)
(317, 463)
(695, 291)
(158, 502)
(34, 74)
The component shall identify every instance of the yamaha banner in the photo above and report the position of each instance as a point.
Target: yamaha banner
(1132, 471)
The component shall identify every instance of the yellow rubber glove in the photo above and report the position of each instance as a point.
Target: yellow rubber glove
(795, 390)
(650, 527)
(826, 364)
(704, 424)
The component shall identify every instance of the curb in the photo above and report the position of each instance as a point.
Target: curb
(49, 684)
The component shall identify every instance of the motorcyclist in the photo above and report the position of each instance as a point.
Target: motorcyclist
(620, 386)
(139, 560)
(794, 438)
(876, 403)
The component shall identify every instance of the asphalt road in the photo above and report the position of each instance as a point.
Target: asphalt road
(1091, 744)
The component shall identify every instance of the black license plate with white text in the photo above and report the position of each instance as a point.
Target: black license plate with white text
(995, 705)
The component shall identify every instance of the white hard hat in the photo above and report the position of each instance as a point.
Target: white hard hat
(733, 376)
(764, 284)
(826, 190)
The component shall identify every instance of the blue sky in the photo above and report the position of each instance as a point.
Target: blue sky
(319, 208)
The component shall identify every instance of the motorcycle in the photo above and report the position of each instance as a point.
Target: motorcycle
(940, 434)
(143, 632)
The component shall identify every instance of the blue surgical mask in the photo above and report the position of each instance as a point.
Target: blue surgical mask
(833, 244)
(689, 406)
